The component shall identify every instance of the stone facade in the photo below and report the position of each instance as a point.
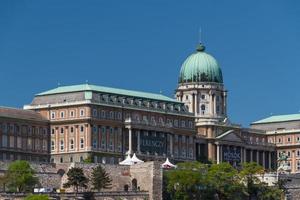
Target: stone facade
(24, 134)
(107, 123)
(286, 136)
(143, 179)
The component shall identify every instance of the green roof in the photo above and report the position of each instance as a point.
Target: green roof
(110, 90)
(279, 118)
(200, 67)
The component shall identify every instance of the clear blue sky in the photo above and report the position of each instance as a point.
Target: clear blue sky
(141, 45)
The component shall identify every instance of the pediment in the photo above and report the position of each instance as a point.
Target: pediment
(231, 136)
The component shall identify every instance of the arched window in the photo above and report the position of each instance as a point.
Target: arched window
(134, 185)
(202, 107)
(126, 187)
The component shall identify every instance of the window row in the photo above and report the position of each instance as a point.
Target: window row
(71, 144)
(287, 139)
(24, 143)
(13, 128)
(63, 114)
(61, 130)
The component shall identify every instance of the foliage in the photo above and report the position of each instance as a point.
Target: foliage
(223, 180)
(37, 197)
(187, 181)
(193, 180)
(100, 178)
(20, 177)
(89, 159)
(76, 179)
(249, 178)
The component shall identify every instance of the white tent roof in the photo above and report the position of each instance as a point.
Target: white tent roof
(168, 164)
(127, 161)
(135, 160)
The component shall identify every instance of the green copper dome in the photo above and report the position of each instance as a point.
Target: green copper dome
(200, 67)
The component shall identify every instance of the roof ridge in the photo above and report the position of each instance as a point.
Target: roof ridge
(114, 90)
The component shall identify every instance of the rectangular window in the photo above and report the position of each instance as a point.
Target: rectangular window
(12, 141)
(95, 113)
(61, 145)
(29, 143)
(81, 143)
(19, 142)
(52, 145)
(71, 144)
(103, 138)
(4, 140)
(95, 143)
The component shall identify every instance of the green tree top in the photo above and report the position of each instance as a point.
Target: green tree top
(20, 176)
(100, 178)
(76, 179)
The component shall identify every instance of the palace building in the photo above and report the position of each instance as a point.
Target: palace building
(284, 131)
(102, 124)
(202, 90)
(88, 121)
(24, 134)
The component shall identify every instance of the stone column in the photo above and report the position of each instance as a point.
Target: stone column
(218, 154)
(245, 154)
(211, 151)
(130, 140)
(264, 159)
(193, 103)
(138, 141)
(221, 153)
(270, 160)
(57, 140)
(171, 144)
(215, 105)
(211, 104)
(67, 139)
(76, 140)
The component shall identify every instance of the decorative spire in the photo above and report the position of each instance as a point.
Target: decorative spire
(200, 47)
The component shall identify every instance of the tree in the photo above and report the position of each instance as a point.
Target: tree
(100, 178)
(186, 182)
(250, 179)
(76, 179)
(224, 181)
(37, 197)
(254, 187)
(20, 177)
